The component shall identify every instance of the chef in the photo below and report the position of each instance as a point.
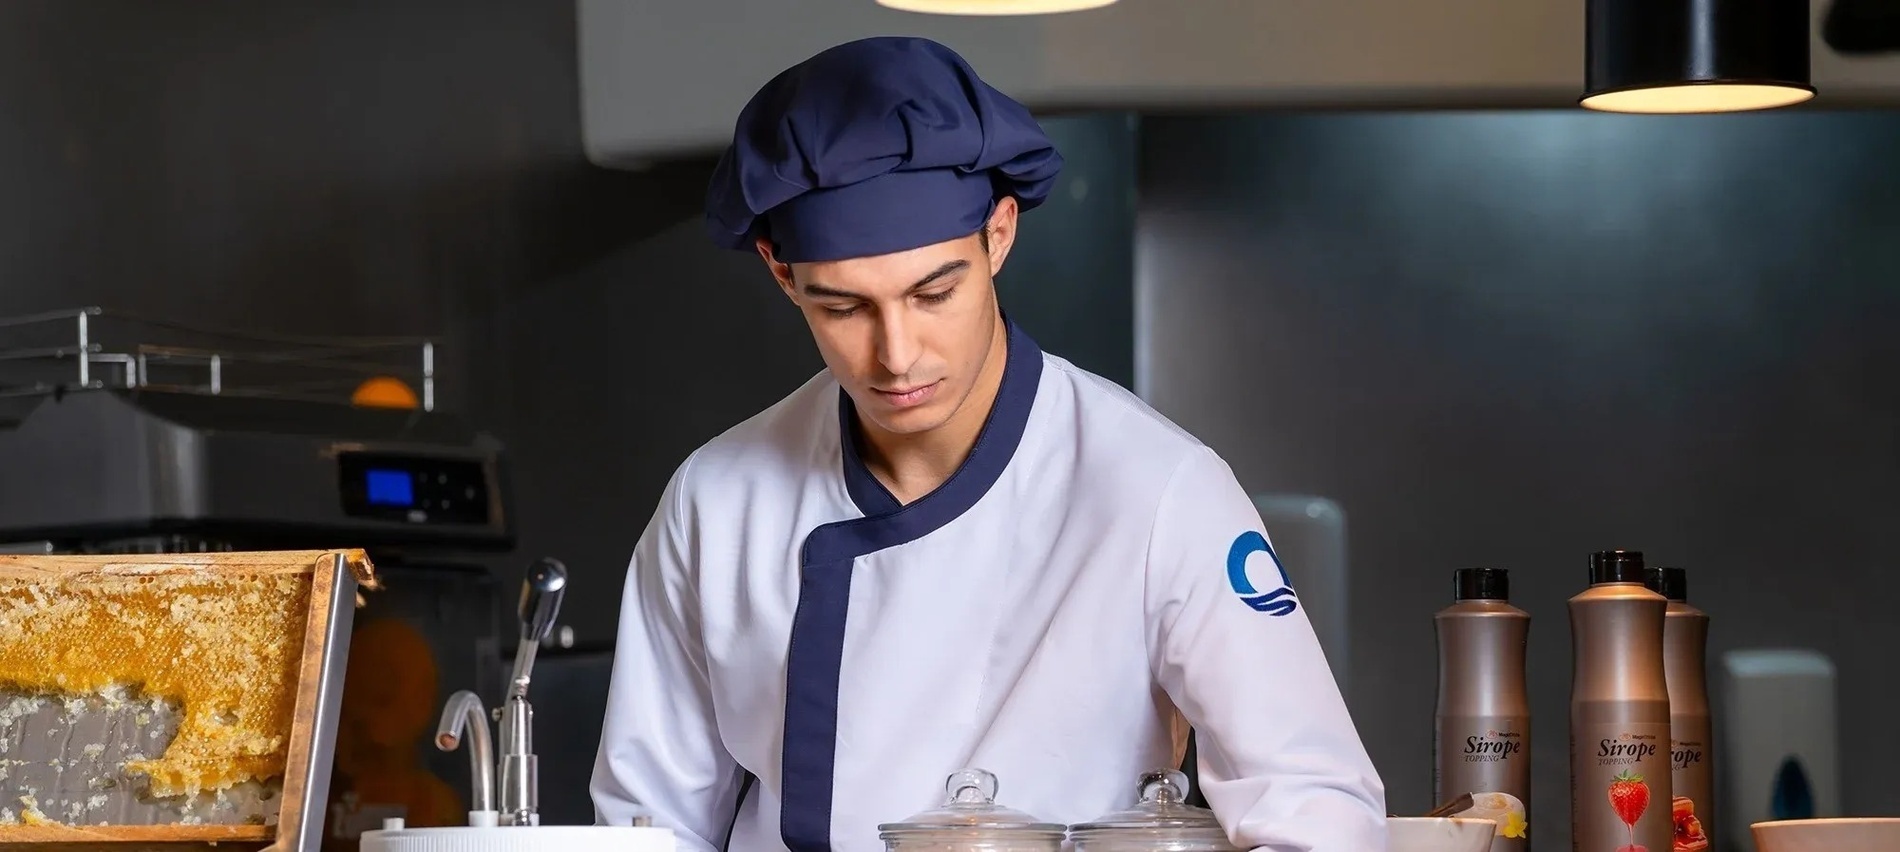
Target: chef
(949, 549)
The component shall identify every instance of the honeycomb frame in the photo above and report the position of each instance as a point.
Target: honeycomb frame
(261, 628)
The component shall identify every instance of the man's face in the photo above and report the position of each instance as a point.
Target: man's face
(906, 334)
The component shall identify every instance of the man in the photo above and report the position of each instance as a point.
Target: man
(949, 549)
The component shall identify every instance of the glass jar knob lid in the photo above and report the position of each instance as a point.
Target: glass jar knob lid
(1161, 808)
(969, 804)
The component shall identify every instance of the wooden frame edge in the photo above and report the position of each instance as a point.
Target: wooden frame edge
(308, 763)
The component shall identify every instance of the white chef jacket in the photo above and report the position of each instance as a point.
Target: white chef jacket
(1091, 575)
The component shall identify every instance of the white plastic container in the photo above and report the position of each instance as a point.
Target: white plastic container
(1782, 741)
(540, 838)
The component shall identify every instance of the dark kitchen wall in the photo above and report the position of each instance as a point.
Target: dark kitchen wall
(1514, 339)
(378, 168)
(415, 167)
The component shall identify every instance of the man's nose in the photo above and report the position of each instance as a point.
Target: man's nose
(897, 347)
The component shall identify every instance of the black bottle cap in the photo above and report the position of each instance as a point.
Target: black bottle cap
(1671, 583)
(1482, 584)
(1616, 566)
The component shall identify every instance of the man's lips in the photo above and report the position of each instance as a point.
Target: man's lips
(908, 397)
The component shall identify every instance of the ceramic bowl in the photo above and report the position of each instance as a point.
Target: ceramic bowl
(1439, 834)
(1827, 835)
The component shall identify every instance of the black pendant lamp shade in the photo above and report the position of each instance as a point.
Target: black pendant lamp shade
(1683, 56)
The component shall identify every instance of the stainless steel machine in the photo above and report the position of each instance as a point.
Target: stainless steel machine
(123, 434)
(236, 441)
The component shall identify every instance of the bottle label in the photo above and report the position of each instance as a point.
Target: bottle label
(1620, 788)
(1692, 804)
(1490, 758)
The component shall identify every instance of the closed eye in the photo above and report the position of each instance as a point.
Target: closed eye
(927, 298)
(938, 297)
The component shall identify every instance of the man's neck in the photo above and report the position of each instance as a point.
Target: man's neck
(911, 466)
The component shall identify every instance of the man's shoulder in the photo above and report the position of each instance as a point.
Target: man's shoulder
(1135, 464)
(776, 440)
(1111, 423)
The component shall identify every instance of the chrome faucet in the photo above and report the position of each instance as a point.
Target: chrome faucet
(520, 795)
(463, 712)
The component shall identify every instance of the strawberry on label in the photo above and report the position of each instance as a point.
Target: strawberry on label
(1629, 796)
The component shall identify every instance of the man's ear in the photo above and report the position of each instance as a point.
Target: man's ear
(781, 272)
(1002, 230)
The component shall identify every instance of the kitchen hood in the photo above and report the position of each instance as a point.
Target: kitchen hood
(665, 79)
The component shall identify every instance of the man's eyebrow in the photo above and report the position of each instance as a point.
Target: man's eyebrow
(823, 292)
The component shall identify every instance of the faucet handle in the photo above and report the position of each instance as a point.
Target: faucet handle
(541, 595)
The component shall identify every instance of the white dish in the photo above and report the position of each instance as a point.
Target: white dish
(1868, 834)
(1439, 834)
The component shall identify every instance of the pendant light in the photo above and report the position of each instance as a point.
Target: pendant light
(1691, 56)
(993, 7)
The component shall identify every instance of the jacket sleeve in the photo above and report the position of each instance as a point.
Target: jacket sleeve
(1280, 760)
(660, 752)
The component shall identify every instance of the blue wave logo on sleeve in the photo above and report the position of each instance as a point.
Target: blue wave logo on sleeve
(1280, 601)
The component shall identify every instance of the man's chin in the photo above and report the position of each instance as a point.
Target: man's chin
(909, 421)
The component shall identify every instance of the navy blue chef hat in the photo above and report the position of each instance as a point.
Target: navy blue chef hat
(871, 147)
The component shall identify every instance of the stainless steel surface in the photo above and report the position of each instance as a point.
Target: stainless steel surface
(519, 782)
(463, 715)
(316, 790)
(109, 448)
(112, 466)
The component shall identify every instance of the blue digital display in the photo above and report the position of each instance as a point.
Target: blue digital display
(389, 488)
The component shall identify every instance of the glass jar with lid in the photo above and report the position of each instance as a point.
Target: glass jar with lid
(970, 820)
(1160, 821)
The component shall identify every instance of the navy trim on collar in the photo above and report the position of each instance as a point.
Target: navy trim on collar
(867, 492)
(817, 642)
